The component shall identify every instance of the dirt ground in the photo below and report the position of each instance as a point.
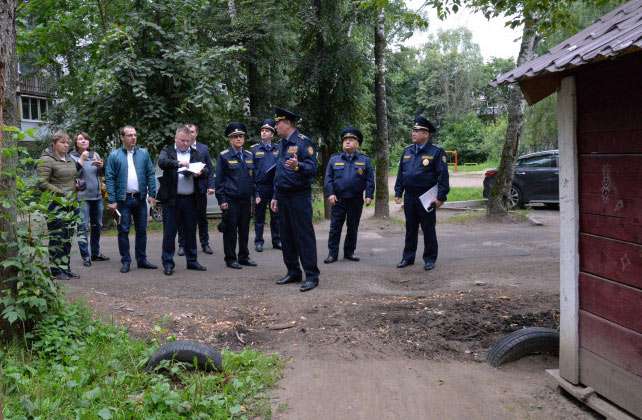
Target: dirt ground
(372, 341)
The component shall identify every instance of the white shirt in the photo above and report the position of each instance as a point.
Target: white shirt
(185, 182)
(132, 177)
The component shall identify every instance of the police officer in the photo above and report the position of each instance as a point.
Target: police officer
(296, 168)
(265, 155)
(234, 185)
(422, 166)
(176, 193)
(347, 176)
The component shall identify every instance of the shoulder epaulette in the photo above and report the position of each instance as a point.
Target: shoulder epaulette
(254, 145)
(302, 137)
(248, 152)
(225, 151)
(410, 145)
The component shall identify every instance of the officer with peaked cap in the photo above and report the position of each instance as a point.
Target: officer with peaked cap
(349, 173)
(422, 166)
(234, 185)
(296, 168)
(265, 155)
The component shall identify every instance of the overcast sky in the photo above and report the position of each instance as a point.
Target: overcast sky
(493, 38)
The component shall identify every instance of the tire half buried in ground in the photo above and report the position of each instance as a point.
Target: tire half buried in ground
(200, 356)
(532, 340)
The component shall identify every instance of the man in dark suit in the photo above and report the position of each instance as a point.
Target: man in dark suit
(205, 187)
(177, 194)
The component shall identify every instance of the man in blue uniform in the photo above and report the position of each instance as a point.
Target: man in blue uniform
(296, 168)
(265, 156)
(347, 176)
(234, 186)
(422, 166)
(177, 194)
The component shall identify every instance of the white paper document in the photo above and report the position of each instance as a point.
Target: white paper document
(428, 198)
(194, 167)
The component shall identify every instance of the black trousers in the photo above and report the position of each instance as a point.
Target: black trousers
(345, 209)
(237, 225)
(417, 216)
(297, 234)
(259, 220)
(201, 221)
(181, 215)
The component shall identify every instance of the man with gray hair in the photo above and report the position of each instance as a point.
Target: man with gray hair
(182, 165)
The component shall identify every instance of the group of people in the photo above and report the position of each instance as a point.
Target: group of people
(268, 176)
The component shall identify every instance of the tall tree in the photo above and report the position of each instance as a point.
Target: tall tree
(381, 146)
(8, 117)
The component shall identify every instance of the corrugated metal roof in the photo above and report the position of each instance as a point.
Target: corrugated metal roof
(618, 32)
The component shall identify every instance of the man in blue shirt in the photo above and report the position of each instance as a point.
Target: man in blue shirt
(347, 176)
(265, 156)
(234, 186)
(296, 168)
(422, 166)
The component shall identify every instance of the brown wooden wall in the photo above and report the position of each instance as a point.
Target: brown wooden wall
(609, 135)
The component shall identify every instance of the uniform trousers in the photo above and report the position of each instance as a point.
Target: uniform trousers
(297, 233)
(417, 216)
(259, 220)
(237, 225)
(180, 215)
(345, 209)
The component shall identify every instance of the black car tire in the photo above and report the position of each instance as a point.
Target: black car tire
(515, 199)
(199, 355)
(532, 340)
(156, 212)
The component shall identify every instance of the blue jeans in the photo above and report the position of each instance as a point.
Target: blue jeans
(91, 215)
(135, 208)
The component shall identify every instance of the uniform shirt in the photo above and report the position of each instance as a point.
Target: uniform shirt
(420, 169)
(289, 180)
(349, 176)
(132, 177)
(185, 184)
(234, 175)
(265, 158)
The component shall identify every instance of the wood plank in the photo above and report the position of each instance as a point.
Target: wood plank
(614, 260)
(621, 228)
(612, 301)
(606, 139)
(616, 384)
(569, 231)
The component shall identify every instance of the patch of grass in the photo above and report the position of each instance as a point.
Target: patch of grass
(466, 217)
(465, 193)
(77, 367)
(318, 211)
(474, 167)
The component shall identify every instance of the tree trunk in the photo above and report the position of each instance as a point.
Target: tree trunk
(381, 145)
(9, 117)
(497, 201)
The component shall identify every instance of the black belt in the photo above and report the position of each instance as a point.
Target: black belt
(133, 194)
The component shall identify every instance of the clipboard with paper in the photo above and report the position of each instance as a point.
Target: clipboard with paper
(428, 199)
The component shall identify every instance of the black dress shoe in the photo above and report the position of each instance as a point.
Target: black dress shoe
(404, 263)
(87, 262)
(124, 268)
(429, 265)
(99, 257)
(61, 276)
(277, 245)
(71, 274)
(289, 279)
(181, 251)
(258, 247)
(206, 249)
(146, 264)
(352, 257)
(329, 260)
(248, 263)
(196, 266)
(309, 285)
(168, 270)
(234, 265)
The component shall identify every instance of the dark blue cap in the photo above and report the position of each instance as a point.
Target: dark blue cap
(235, 128)
(284, 114)
(352, 132)
(422, 123)
(269, 124)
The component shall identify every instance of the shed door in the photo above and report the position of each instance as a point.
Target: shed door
(609, 135)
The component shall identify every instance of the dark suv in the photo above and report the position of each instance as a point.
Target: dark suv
(535, 179)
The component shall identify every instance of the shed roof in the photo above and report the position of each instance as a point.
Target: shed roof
(617, 33)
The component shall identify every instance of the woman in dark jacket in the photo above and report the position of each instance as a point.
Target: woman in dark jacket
(57, 173)
(90, 199)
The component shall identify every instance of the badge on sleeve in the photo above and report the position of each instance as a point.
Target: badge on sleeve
(310, 150)
(360, 171)
(425, 162)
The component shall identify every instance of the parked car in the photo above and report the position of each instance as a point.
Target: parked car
(535, 180)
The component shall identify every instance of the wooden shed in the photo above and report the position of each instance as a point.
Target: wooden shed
(597, 75)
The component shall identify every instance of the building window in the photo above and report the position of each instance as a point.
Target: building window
(33, 108)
